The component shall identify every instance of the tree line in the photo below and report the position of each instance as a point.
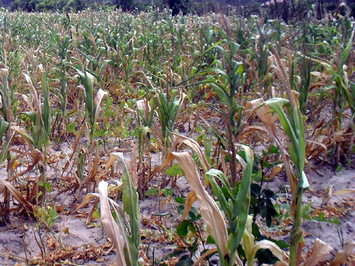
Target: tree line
(285, 9)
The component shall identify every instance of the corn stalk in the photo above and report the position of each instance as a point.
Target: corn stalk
(5, 129)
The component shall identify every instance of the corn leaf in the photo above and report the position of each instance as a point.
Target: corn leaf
(131, 207)
(318, 252)
(46, 112)
(130, 201)
(5, 148)
(190, 199)
(241, 206)
(196, 148)
(344, 56)
(225, 205)
(98, 100)
(3, 127)
(208, 207)
(115, 230)
(18, 196)
(275, 249)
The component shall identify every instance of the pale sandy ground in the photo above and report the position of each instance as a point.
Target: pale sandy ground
(74, 232)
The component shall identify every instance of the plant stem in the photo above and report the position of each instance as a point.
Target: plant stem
(296, 233)
(232, 162)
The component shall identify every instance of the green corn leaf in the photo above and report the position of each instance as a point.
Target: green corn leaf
(5, 148)
(130, 201)
(23, 133)
(31, 115)
(46, 108)
(225, 205)
(294, 130)
(88, 81)
(3, 127)
(103, 66)
(221, 93)
(346, 52)
(89, 58)
(222, 178)
(241, 207)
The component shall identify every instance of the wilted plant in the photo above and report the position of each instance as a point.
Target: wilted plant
(93, 106)
(40, 119)
(234, 202)
(123, 231)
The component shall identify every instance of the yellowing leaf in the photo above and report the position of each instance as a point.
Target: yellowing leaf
(318, 251)
(114, 230)
(196, 148)
(190, 199)
(208, 207)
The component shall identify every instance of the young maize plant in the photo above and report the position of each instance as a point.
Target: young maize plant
(234, 201)
(93, 107)
(5, 130)
(230, 77)
(39, 140)
(168, 106)
(292, 124)
(124, 232)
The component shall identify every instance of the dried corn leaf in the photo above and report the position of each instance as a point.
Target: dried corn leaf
(342, 256)
(343, 192)
(88, 198)
(18, 196)
(190, 199)
(196, 148)
(98, 99)
(208, 207)
(275, 249)
(275, 171)
(36, 98)
(318, 252)
(115, 231)
(111, 160)
(337, 136)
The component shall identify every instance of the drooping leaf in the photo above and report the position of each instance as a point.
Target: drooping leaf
(208, 207)
(115, 230)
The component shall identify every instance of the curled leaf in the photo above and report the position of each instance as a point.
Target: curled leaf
(208, 207)
(114, 230)
(318, 252)
(190, 199)
(196, 148)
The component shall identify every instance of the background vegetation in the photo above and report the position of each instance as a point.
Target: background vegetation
(285, 10)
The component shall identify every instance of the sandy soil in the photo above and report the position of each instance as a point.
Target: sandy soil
(88, 245)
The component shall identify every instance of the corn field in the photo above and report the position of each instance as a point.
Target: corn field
(158, 130)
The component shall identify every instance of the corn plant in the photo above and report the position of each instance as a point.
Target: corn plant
(92, 106)
(292, 123)
(168, 106)
(63, 45)
(226, 86)
(40, 117)
(124, 232)
(5, 130)
(234, 202)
